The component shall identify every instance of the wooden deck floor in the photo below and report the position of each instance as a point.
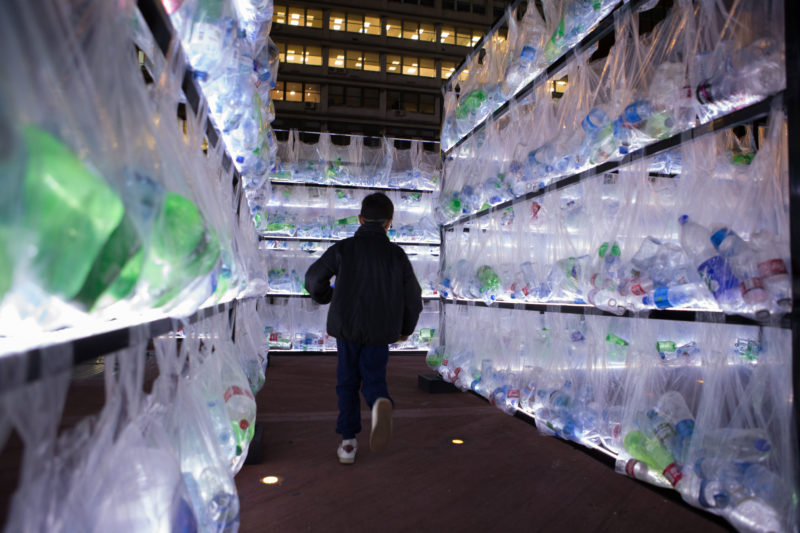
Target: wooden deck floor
(505, 477)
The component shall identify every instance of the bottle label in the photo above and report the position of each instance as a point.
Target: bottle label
(513, 394)
(750, 284)
(636, 288)
(717, 276)
(673, 473)
(630, 467)
(773, 267)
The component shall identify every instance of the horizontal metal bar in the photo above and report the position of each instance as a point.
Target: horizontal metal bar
(100, 344)
(354, 135)
(315, 239)
(362, 187)
(747, 114)
(334, 352)
(679, 315)
(308, 296)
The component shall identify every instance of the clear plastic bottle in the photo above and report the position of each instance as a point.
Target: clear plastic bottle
(650, 451)
(712, 267)
(743, 261)
(772, 269)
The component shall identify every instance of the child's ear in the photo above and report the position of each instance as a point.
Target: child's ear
(360, 220)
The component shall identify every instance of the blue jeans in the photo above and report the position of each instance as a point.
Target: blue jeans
(361, 366)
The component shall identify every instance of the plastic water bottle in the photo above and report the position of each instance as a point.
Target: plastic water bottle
(637, 469)
(489, 281)
(744, 264)
(470, 103)
(673, 407)
(210, 37)
(599, 143)
(772, 269)
(578, 16)
(521, 68)
(650, 451)
(739, 445)
(676, 296)
(712, 267)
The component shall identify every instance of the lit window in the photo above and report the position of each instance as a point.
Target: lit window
(464, 37)
(448, 67)
(410, 30)
(427, 32)
(372, 25)
(393, 64)
(336, 21)
(279, 14)
(372, 61)
(447, 35)
(277, 93)
(355, 23)
(410, 66)
(393, 28)
(311, 92)
(281, 52)
(314, 18)
(314, 56)
(427, 68)
(336, 58)
(296, 16)
(353, 59)
(294, 92)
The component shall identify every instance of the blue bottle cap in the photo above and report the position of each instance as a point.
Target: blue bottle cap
(718, 236)
(683, 219)
(762, 445)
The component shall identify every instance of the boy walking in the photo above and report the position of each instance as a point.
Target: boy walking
(376, 302)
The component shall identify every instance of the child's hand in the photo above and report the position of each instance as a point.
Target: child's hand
(404, 338)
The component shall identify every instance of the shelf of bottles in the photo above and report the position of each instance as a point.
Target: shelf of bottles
(294, 324)
(538, 41)
(636, 270)
(121, 239)
(313, 200)
(86, 238)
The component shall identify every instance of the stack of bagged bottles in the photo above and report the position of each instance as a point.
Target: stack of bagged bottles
(633, 241)
(109, 209)
(286, 274)
(298, 324)
(532, 44)
(330, 213)
(158, 461)
(358, 162)
(694, 66)
(701, 408)
(236, 63)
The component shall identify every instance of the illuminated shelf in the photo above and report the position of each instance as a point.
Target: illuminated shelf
(276, 181)
(680, 315)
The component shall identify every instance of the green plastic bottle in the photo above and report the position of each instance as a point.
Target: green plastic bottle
(182, 249)
(650, 451)
(470, 103)
(434, 359)
(70, 212)
(488, 279)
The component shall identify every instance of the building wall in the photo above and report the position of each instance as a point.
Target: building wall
(384, 76)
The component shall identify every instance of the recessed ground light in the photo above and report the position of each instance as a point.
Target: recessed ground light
(270, 480)
(457, 441)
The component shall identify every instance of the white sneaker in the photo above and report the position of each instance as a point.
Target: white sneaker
(381, 424)
(347, 451)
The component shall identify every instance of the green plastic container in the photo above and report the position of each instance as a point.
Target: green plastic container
(70, 212)
(182, 249)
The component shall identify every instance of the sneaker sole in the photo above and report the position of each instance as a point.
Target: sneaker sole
(346, 461)
(382, 432)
